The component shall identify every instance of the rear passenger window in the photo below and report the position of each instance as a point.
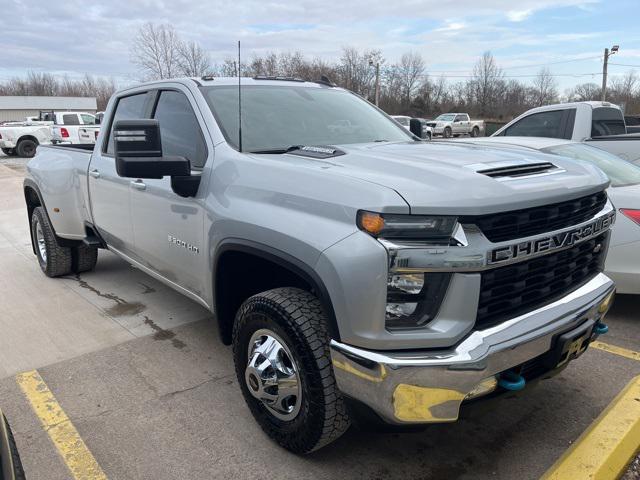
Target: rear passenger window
(607, 121)
(179, 128)
(128, 108)
(70, 119)
(543, 124)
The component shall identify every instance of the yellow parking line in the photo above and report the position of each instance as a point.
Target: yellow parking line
(623, 352)
(65, 437)
(605, 449)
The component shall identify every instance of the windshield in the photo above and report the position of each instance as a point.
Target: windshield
(446, 118)
(620, 172)
(276, 117)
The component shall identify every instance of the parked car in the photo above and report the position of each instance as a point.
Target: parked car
(22, 138)
(347, 266)
(623, 261)
(10, 464)
(426, 131)
(599, 124)
(456, 124)
(74, 127)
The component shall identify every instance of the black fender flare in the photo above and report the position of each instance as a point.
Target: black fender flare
(287, 261)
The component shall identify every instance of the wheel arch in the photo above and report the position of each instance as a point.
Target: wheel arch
(286, 269)
(27, 137)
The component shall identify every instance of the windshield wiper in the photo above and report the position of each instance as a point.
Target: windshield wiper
(277, 151)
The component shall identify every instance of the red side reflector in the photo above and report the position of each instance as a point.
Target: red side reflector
(64, 133)
(632, 214)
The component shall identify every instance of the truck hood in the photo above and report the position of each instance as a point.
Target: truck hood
(443, 178)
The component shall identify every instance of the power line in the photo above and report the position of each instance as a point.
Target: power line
(528, 66)
(624, 65)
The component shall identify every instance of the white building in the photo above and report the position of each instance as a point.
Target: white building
(17, 108)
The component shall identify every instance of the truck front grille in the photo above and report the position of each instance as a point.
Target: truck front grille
(515, 224)
(512, 290)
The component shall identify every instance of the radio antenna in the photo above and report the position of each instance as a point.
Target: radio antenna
(239, 103)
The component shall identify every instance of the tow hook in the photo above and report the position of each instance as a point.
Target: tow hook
(511, 380)
(601, 328)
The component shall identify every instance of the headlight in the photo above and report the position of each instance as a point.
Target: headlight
(413, 300)
(417, 227)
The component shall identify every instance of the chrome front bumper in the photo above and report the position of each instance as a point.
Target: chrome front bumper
(406, 387)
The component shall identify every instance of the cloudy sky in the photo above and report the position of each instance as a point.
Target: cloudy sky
(75, 37)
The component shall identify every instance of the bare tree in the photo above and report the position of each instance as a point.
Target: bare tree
(192, 60)
(545, 89)
(487, 83)
(155, 50)
(409, 72)
(584, 92)
(355, 70)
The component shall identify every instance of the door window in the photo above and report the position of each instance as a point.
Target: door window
(543, 124)
(179, 129)
(461, 118)
(128, 108)
(88, 119)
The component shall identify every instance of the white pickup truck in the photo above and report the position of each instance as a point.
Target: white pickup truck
(600, 124)
(22, 138)
(74, 127)
(456, 124)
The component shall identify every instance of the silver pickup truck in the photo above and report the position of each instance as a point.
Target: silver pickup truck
(355, 269)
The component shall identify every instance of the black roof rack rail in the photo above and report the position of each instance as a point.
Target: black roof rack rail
(207, 78)
(274, 77)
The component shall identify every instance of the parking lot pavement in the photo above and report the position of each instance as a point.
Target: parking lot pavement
(152, 392)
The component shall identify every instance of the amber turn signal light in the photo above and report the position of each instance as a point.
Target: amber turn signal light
(373, 223)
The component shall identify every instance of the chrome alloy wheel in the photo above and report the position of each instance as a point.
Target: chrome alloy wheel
(272, 375)
(42, 246)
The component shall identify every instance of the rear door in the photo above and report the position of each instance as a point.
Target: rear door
(110, 193)
(169, 229)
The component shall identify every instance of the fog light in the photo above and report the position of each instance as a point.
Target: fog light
(413, 299)
(606, 303)
(485, 387)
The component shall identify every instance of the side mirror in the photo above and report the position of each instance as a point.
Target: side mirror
(138, 151)
(415, 127)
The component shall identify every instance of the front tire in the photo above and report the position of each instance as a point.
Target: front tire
(447, 133)
(283, 364)
(54, 260)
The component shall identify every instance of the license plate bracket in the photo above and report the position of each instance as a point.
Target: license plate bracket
(570, 345)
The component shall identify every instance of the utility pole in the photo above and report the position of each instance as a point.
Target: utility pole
(605, 65)
(377, 83)
(377, 92)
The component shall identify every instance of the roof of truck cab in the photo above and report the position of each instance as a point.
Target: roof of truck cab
(212, 81)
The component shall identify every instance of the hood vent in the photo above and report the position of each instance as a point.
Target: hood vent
(522, 170)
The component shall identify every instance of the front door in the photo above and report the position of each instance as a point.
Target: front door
(169, 229)
(110, 193)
